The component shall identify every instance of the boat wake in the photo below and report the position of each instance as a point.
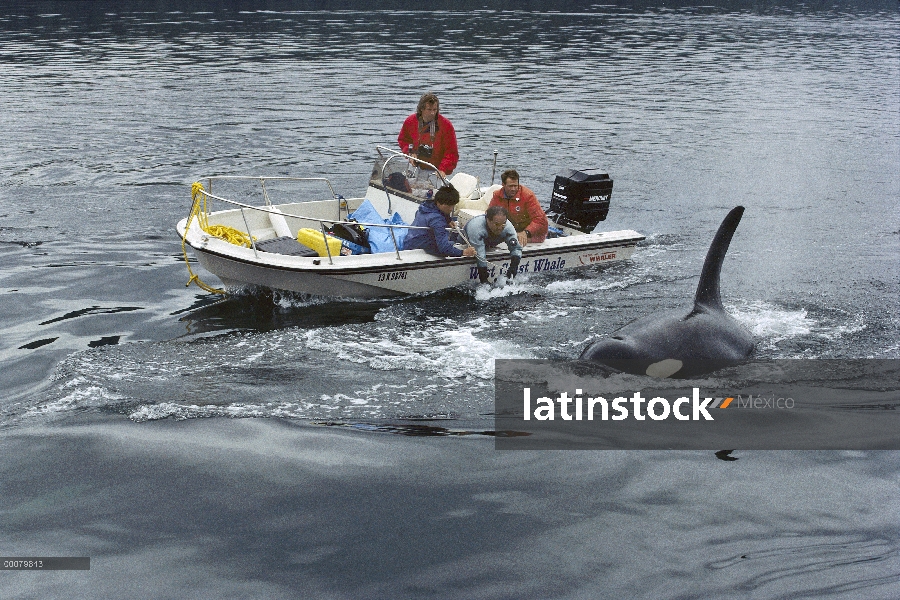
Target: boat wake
(425, 357)
(404, 363)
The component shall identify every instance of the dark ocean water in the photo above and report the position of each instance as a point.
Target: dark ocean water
(111, 110)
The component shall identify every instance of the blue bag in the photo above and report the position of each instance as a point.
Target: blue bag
(380, 237)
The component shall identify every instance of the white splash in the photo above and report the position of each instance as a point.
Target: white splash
(442, 347)
(78, 398)
(772, 323)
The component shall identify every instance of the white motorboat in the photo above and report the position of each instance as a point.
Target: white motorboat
(253, 240)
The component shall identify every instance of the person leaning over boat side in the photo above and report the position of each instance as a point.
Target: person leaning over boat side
(435, 214)
(430, 136)
(486, 231)
(525, 212)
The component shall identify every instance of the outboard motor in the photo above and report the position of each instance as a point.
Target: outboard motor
(580, 200)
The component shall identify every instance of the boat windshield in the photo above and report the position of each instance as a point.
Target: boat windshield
(404, 175)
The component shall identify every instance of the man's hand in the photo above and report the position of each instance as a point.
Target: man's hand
(469, 251)
(523, 238)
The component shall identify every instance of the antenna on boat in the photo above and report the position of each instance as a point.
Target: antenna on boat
(494, 168)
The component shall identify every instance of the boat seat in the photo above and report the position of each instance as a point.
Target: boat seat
(465, 184)
(467, 214)
(489, 193)
(479, 203)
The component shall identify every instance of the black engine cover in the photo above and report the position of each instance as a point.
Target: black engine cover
(580, 200)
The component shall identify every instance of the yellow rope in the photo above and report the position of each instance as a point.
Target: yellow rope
(229, 234)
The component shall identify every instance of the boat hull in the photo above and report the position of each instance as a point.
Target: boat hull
(393, 274)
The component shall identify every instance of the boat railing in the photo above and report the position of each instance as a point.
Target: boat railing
(271, 209)
(262, 181)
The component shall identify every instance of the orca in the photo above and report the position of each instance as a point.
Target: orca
(681, 345)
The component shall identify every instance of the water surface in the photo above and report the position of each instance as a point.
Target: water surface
(113, 109)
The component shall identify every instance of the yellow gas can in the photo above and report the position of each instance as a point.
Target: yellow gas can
(313, 238)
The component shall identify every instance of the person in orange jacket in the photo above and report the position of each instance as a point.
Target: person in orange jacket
(525, 212)
(430, 136)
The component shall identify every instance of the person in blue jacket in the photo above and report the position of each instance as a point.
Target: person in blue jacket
(435, 214)
(486, 231)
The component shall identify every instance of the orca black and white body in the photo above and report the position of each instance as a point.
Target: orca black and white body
(675, 344)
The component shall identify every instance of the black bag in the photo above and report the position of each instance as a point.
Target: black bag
(397, 181)
(351, 232)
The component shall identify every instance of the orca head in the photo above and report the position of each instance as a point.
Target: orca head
(623, 354)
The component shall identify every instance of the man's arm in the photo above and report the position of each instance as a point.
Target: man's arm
(405, 139)
(476, 237)
(480, 252)
(448, 145)
(496, 199)
(539, 225)
(512, 240)
(442, 239)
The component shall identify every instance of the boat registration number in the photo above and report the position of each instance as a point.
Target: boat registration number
(392, 276)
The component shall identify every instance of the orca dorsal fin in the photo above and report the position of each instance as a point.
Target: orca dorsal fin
(708, 288)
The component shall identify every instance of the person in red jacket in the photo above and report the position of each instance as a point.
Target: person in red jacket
(525, 212)
(429, 136)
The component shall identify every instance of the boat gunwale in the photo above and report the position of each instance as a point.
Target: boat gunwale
(425, 261)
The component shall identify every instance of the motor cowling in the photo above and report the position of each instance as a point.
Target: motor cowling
(580, 200)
